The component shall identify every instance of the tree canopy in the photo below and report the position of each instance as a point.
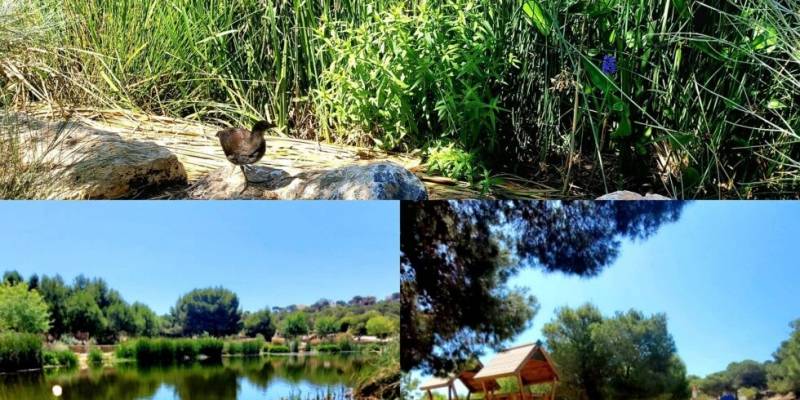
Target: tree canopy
(22, 310)
(87, 308)
(325, 326)
(784, 372)
(380, 326)
(628, 356)
(259, 323)
(457, 257)
(211, 310)
(295, 324)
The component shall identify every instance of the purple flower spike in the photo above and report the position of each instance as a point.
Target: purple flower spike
(609, 66)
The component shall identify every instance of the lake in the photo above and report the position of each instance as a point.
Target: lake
(284, 377)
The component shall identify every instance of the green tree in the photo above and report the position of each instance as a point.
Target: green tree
(146, 321)
(747, 374)
(82, 314)
(33, 282)
(121, 319)
(325, 326)
(260, 322)
(583, 365)
(22, 310)
(55, 294)
(457, 257)
(12, 278)
(380, 326)
(212, 310)
(295, 324)
(629, 356)
(784, 372)
(642, 357)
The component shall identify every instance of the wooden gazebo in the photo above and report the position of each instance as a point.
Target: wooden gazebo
(466, 377)
(529, 364)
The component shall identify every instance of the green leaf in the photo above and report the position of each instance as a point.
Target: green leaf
(766, 39)
(624, 129)
(534, 11)
(598, 78)
(690, 177)
(681, 140)
(775, 104)
(682, 7)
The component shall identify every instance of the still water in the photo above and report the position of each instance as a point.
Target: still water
(287, 377)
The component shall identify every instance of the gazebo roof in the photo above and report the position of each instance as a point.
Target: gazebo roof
(436, 383)
(467, 377)
(530, 361)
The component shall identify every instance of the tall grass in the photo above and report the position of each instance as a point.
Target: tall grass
(166, 351)
(20, 351)
(59, 358)
(703, 103)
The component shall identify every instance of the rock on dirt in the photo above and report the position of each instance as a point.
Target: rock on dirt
(376, 181)
(87, 163)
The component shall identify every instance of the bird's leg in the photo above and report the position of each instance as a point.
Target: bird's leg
(245, 179)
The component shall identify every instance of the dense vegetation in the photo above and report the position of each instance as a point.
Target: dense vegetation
(19, 351)
(676, 96)
(89, 310)
(748, 377)
(627, 356)
(456, 260)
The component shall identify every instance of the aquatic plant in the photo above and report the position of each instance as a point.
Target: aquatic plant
(59, 358)
(19, 351)
(95, 356)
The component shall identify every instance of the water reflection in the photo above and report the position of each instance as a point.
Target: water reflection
(252, 378)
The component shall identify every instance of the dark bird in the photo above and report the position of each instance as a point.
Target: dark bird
(243, 147)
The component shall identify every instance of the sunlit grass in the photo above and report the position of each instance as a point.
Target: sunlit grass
(703, 103)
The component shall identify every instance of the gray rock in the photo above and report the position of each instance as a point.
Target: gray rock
(378, 181)
(86, 163)
(627, 195)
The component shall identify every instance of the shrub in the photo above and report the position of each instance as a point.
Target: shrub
(453, 162)
(126, 350)
(277, 349)
(154, 350)
(345, 344)
(233, 348)
(252, 347)
(380, 326)
(329, 348)
(373, 348)
(59, 358)
(95, 356)
(210, 347)
(294, 346)
(186, 349)
(22, 310)
(20, 351)
(306, 346)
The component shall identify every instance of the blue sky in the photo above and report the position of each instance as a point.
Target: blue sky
(726, 275)
(269, 253)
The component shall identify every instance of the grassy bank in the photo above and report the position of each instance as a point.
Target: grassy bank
(693, 100)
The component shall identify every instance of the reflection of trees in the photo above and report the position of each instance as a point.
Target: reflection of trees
(190, 382)
(206, 383)
(318, 370)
